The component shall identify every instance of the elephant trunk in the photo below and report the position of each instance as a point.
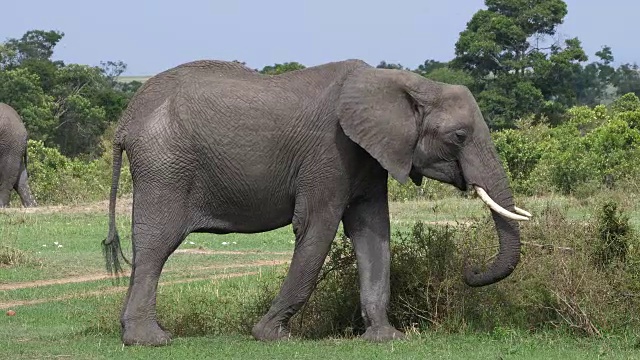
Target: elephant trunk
(482, 169)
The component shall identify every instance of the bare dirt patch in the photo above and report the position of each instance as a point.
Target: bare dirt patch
(228, 252)
(123, 205)
(118, 289)
(62, 281)
(102, 276)
(437, 222)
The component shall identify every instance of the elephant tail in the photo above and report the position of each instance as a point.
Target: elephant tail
(25, 157)
(111, 245)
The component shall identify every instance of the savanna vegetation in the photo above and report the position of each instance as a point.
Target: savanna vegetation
(566, 127)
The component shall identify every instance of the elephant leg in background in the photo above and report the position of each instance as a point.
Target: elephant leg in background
(366, 223)
(9, 170)
(5, 196)
(315, 225)
(156, 233)
(22, 187)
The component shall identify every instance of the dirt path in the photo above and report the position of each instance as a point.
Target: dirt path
(230, 252)
(13, 304)
(123, 206)
(102, 276)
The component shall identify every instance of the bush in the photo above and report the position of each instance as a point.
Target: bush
(10, 256)
(558, 283)
(520, 150)
(595, 148)
(56, 179)
(614, 235)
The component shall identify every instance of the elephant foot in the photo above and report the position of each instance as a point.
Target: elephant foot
(382, 334)
(265, 331)
(145, 333)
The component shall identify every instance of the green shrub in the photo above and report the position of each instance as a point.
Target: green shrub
(595, 148)
(56, 179)
(520, 150)
(10, 256)
(626, 102)
(614, 234)
(556, 285)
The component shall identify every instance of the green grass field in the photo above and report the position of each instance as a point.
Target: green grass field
(66, 306)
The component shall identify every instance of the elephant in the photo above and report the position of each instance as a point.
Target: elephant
(215, 147)
(13, 158)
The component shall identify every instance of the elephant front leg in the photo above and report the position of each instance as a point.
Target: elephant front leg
(366, 223)
(315, 232)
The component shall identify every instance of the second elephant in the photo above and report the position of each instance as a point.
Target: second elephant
(13, 158)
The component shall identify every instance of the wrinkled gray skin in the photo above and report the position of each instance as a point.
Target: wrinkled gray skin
(216, 147)
(13, 158)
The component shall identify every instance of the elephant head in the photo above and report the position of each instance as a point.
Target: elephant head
(416, 127)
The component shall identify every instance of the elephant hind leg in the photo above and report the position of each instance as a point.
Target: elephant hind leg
(5, 196)
(159, 226)
(315, 224)
(22, 188)
(8, 173)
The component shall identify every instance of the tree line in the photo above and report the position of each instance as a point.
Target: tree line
(509, 55)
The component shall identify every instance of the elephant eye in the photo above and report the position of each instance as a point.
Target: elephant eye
(461, 136)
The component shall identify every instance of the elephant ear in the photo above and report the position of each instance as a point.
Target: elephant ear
(379, 109)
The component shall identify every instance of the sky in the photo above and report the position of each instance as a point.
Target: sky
(152, 36)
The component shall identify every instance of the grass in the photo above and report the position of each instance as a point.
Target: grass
(80, 320)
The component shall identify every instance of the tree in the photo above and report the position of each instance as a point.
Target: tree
(627, 79)
(67, 106)
(34, 44)
(385, 65)
(595, 80)
(277, 69)
(21, 90)
(556, 75)
(430, 66)
(442, 72)
(506, 49)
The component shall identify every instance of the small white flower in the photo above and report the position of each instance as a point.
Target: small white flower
(234, 242)
(191, 243)
(55, 243)
(59, 246)
(225, 243)
(45, 245)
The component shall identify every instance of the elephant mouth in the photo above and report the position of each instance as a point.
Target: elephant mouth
(450, 173)
(459, 180)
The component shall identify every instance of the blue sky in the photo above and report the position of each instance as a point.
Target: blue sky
(151, 36)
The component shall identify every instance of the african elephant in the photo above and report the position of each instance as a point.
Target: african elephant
(13, 158)
(216, 147)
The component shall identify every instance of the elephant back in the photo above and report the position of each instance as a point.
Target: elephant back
(10, 121)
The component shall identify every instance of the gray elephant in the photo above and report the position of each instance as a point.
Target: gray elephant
(216, 147)
(13, 158)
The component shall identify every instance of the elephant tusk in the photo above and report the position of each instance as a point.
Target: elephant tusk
(497, 208)
(522, 212)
